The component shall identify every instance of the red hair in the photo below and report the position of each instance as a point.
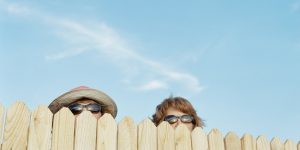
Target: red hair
(177, 103)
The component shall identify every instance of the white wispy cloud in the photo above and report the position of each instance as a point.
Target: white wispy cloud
(153, 85)
(104, 39)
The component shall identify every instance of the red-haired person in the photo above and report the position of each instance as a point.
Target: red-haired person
(177, 110)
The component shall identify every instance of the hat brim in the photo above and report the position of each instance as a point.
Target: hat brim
(92, 94)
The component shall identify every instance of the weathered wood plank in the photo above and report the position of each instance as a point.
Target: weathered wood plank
(147, 135)
(127, 134)
(40, 129)
(199, 139)
(63, 130)
(85, 131)
(183, 138)
(232, 142)
(215, 140)
(107, 133)
(262, 143)
(276, 144)
(290, 145)
(165, 136)
(248, 142)
(16, 127)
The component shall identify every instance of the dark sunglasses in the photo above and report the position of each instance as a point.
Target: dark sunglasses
(77, 108)
(184, 118)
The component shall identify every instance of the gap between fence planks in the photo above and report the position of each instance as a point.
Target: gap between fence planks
(37, 131)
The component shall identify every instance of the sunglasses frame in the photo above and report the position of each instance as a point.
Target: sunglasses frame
(84, 106)
(169, 119)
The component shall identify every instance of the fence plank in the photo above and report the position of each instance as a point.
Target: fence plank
(2, 113)
(248, 142)
(165, 136)
(262, 143)
(232, 142)
(289, 145)
(127, 134)
(183, 138)
(276, 144)
(40, 129)
(215, 140)
(63, 130)
(299, 145)
(16, 127)
(85, 131)
(199, 139)
(147, 135)
(107, 133)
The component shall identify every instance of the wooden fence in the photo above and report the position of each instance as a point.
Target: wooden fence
(39, 130)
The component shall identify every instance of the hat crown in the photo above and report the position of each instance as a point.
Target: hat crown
(80, 88)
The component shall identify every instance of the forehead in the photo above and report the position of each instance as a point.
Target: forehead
(174, 111)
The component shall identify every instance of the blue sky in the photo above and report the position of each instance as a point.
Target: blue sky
(237, 62)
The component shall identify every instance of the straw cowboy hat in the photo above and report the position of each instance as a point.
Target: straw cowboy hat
(83, 92)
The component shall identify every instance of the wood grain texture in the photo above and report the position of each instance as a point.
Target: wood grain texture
(85, 131)
(147, 135)
(248, 142)
(199, 139)
(165, 137)
(183, 138)
(276, 144)
(107, 133)
(262, 143)
(232, 142)
(63, 130)
(127, 134)
(215, 140)
(40, 129)
(16, 127)
(290, 145)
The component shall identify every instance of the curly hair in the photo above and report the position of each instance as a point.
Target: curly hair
(178, 103)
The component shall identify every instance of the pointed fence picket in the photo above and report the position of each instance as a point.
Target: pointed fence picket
(262, 143)
(165, 137)
(248, 142)
(40, 130)
(199, 139)
(289, 145)
(85, 131)
(107, 133)
(183, 138)
(147, 135)
(232, 142)
(276, 144)
(16, 127)
(63, 130)
(215, 140)
(127, 134)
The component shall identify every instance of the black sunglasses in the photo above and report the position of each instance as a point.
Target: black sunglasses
(77, 108)
(184, 118)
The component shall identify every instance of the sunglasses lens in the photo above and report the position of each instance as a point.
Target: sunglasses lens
(187, 118)
(171, 119)
(94, 108)
(75, 109)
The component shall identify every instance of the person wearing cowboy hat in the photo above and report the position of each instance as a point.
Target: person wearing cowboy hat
(85, 98)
